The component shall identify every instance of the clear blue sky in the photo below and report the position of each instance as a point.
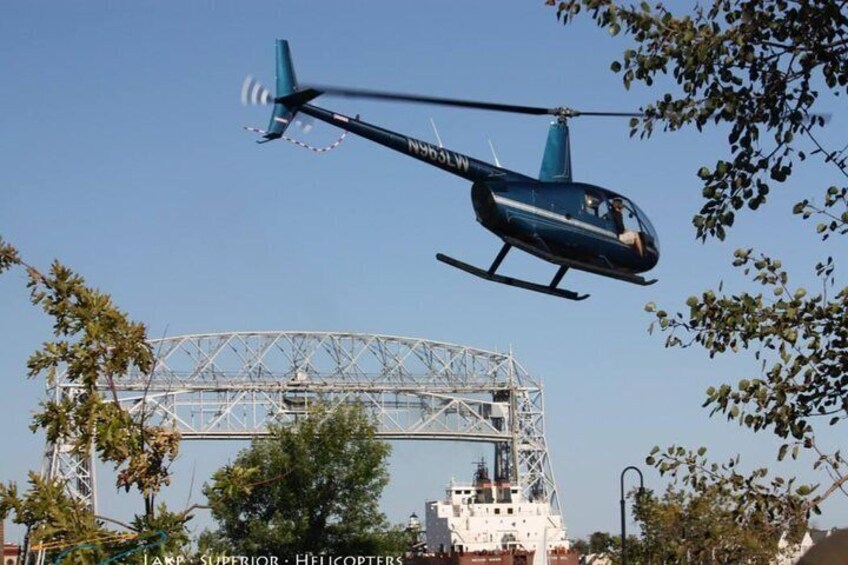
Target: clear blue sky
(121, 153)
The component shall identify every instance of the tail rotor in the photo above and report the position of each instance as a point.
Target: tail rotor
(285, 101)
(254, 94)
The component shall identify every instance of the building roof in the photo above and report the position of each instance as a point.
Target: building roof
(818, 535)
(831, 548)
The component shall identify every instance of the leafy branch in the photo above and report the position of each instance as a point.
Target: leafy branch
(93, 343)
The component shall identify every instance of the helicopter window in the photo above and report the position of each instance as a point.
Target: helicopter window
(595, 205)
(647, 227)
(629, 216)
(634, 219)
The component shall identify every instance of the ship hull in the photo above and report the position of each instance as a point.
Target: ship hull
(493, 558)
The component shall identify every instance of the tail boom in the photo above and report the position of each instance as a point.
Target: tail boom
(450, 161)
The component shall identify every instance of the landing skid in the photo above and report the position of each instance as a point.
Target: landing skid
(491, 276)
(581, 266)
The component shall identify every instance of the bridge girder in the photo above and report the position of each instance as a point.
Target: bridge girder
(233, 385)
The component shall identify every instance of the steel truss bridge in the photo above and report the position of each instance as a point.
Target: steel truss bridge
(233, 385)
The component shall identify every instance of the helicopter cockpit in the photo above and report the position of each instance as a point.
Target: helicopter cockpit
(651, 237)
(597, 209)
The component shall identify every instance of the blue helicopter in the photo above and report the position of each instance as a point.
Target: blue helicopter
(573, 225)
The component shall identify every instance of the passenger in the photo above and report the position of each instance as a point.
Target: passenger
(626, 236)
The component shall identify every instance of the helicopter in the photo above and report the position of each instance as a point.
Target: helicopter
(572, 225)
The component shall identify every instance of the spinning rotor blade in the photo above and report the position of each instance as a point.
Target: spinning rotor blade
(576, 113)
(254, 94)
(400, 97)
(493, 106)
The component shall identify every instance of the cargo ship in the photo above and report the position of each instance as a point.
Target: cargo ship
(491, 522)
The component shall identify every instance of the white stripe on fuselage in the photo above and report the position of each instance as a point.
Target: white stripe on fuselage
(554, 216)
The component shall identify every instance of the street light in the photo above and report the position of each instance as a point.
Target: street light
(623, 527)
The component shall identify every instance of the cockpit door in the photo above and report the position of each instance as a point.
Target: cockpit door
(595, 209)
(630, 217)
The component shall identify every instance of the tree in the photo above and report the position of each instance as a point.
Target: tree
(692, 526)
(312, 487)
(760, 67)
(606, 547)
(93, 342)
(580, 546)
(602, 542)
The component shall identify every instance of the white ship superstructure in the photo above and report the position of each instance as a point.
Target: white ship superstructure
(492, 516)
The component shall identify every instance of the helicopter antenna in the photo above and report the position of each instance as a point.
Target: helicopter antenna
(495, 155)
(436, 131)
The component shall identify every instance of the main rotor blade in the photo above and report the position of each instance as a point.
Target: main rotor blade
(380, 95)
(576, 113)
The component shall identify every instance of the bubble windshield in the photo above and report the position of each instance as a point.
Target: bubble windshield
(647, 227)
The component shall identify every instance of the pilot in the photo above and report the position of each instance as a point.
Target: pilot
(626, 236)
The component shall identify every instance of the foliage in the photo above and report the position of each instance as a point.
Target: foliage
(703, 526)
(602, 542)
(9, 256)
(172, 524)
(580, 546)
(801, 341)
(597, 543)
(694, 525)
(211, 544)
(58, 517)
(759, 67)
(313, 487)
(93, 344)
(606, 547)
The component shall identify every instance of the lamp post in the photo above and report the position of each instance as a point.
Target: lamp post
(623, 526)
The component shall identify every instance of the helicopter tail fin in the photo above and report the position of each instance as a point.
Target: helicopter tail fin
(287, 98)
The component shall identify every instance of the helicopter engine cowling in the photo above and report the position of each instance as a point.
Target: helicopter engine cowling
(485, 208)
(488, 199)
